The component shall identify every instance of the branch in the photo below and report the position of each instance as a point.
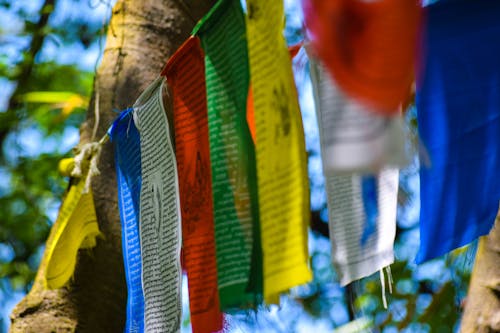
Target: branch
(318, 225)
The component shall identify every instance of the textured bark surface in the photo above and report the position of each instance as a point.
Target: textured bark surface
(141, 37)
(482, 308)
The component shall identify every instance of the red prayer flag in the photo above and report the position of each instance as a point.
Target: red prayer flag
(369, 47)
(185, 72)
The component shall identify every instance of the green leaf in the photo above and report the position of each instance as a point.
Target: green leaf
(49, 96)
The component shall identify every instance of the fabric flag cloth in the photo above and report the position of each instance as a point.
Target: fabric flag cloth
(355, 138)
(127, 145)
(185, 72)
(75, 228)
(458, 104)
(294, 50)
(159, 223)
(357, 146)
(367, 46)
(354, 253)
(232, 153)
(283, 189)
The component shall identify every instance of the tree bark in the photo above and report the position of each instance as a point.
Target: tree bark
(482, 307)
(142, 35)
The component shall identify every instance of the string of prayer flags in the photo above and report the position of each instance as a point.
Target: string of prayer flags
(185, 72)
(234, 181)
(356, 254)
(458, 103)
(368, 47)
(160, 225)
(127, 143)
(354, 138)
(283, 189)
(76, 227)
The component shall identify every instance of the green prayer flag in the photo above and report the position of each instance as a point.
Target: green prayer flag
(232, 153)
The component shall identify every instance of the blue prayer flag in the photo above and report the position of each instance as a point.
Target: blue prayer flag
(369, 188)
(458, 103)
(125, 136)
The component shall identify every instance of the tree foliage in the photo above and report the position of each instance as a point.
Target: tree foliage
(42, 102)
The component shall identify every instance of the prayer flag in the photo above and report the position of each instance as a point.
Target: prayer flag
(354, 137)
(234, 185)
(185, 72)
(160, 225)
(458, 104)
(367, 46)
(283, 186)
(356, 147)
(294, 49)
(76, 227)
(356, 253)
(127, 144)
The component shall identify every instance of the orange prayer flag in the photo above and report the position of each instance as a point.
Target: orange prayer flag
(294, 49)
(250, 113)
(185, 72)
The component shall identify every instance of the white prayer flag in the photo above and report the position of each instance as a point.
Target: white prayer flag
(160, 225)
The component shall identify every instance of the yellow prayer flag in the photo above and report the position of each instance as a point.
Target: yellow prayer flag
(280, 150)
(66, 165)
(76, 227)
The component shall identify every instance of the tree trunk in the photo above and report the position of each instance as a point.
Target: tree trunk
(482, 308)
(142, 35)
